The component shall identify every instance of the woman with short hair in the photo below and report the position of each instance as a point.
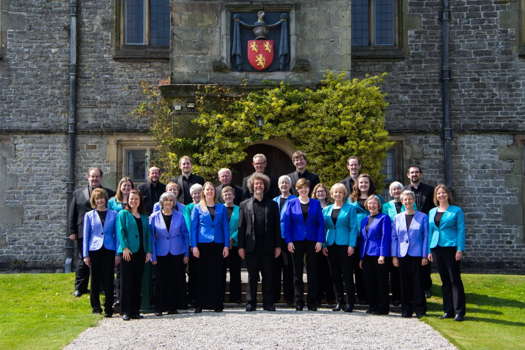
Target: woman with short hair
(374, 248)
(409, 254)
(135, 246)
(99, 246)
(304, 235)
(447, 244)
(341, 238)
(170, 253)
(210, 242)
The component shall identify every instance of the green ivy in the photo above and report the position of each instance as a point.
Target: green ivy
(338, 118)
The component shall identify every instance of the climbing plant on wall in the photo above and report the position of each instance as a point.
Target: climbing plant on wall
(338, 118)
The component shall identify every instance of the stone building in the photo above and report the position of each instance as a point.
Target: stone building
(55, 90)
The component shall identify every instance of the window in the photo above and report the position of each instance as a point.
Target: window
(393, 166)
(142, 29)
(376, 28)
(134, 158)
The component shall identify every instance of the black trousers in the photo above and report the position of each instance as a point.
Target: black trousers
(284, 274)
(326, 285)
(102, 265)
(359, 279)
(376, 284)
(452, 286)
(412, 293)
(131, 283)
(395, 281)
(82, 270)
(305, 249)
(192, 280)
(210, 276)
(171, 282)
(426, 278)
(341, 271)
(265, 265)
(233, 265)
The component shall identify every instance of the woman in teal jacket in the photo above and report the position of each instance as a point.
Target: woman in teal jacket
(233, 261)
(447, 243)
(135, 246)
(341, 238)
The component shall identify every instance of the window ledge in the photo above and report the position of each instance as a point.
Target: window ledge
(377, 53)
(141, 53)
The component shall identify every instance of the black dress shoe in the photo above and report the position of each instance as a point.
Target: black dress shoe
(218, 309)
(406, 315)
(299, 307)
(459, 318)
(269, 308)
(198, 309)
(348, 308)
(250, 307)
(312, 308)
(126, 317)
(445, 315)
(158, 313)
(339, 307)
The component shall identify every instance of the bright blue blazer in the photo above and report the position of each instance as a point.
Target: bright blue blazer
(175, 241)
(113, 204)
(451, 230)
(297, 229)
(283, 210)
(180, 207)
(411, 241)
(346, 227)
(206, 230)
(233, 225)
(377, 241)
(96, 236)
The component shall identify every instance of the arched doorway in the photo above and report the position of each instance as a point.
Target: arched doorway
(279, 163)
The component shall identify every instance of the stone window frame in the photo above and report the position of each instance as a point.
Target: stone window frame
(397, 52)
(399, 166)
(123, 146)
(3, 28)
(122, 51)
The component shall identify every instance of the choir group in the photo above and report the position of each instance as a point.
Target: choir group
(356, 247)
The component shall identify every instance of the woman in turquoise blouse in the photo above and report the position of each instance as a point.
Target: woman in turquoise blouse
(447, 243)
(135, 246)
(233, 261)
(341, 238)
(117, 203)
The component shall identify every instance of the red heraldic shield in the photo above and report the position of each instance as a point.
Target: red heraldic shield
(260, 53)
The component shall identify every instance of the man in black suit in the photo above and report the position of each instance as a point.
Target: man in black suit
(259, 164)
(186, 180)
(354, 167)
(299, 161)
(79, 206)
(424, 202)
(259, 241)
(225, 178)
(151, 190)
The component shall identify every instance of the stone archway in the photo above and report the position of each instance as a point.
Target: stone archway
(278, 155)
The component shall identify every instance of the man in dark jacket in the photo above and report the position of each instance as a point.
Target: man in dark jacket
(259, 164)
(225, 178)
(186, 180)
(79, 206)
(151, 190)
(259, 241)
(299, 161)
(354, 167)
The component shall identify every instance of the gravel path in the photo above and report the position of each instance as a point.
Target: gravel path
(284, 329)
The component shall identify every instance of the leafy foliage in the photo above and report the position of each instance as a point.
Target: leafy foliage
(338, 118)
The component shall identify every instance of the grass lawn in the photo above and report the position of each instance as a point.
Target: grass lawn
(39, 311)
(495, 313)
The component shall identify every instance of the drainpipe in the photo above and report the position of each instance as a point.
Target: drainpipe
(446, 128)
(72, 121)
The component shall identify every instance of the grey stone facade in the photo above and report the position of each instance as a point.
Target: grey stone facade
(487, 105)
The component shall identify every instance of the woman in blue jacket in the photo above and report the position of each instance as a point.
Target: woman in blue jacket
(210, 242)
(99, 246)
(304, 236)
(409, 254)
(447, 244)
(170, 251)
(374, 248)
(135, 246)
(233, 261)
(341, 226)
